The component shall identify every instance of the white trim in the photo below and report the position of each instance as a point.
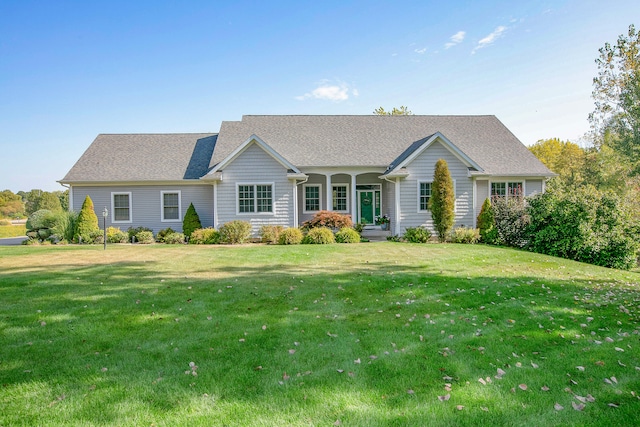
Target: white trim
(215, 205)
(396, 228)
(70, 207)
(162, 193)
(113, 211)
(447, 144)
(373, 202)
(294, 192)
(340, 184)
(253, 139)
(304, 197)
(354, 195)
(255, 198)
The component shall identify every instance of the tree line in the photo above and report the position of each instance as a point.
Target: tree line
(22, 204)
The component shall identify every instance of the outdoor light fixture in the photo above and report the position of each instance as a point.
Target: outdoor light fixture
(105, 214)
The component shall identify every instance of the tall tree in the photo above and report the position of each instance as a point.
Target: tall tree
(442, 201)
(11, 205)
(87, 223)
(402, 111)
(565, 158)
(616, 93)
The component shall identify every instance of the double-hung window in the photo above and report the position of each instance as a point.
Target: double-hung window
(171, 205)
(340, 198)
(424, 194)
(121, 207)
(255, 198)
(506, 189)
(312, 202)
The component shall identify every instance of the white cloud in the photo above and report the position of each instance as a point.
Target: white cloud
(330, 92)
(491, 38)
(420, 51)
(457, 38)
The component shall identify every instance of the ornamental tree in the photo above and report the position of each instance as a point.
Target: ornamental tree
(191, 221)
(442, 201)
(87, 223)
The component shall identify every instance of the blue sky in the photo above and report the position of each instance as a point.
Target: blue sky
(72, 70)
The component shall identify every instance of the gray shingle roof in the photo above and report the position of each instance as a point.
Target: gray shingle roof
(326, 141)
(144, 157)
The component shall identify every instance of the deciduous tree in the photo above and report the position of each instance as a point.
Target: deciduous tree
(402, 111)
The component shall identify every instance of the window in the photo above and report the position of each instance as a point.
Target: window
(424, 189)
(506, 189)
(340, 200)
(121, 207)
(255, 198)
(171, 206)
(312, 198)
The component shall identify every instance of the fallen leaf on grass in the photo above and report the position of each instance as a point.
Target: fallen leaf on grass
(558, 407)
(410, 391)
(535, 365)
(613, 405)
(619, 349)
(340, 370)
(357, 361)
(292, 351)
(545, 388)
(577, 406)
(444, 398)
(580, 368)
(523, 387)
(460, 407)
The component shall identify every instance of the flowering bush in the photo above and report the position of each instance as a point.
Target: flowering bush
(383, 219)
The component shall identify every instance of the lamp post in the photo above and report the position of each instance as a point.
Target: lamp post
(105, 214)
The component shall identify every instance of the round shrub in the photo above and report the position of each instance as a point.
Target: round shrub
(270, 233)
(416, 235)
(204, 236)
(162, 233)
(115, 235)
(465, 235)
(328, 219)
(174, 239)
(235, 232)
(319, 236)
(133, 232)
(145, 237)
(290, 236)
(38, 220)
(347, 235)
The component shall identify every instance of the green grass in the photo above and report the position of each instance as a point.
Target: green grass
(377, 334)
(12, 230)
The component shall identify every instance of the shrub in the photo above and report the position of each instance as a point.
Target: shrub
(347, 235)
(96, 237)
(40, 224)
(133, 232)
(115, 235)
(205, 236)
(270, 233)
(394, 238)
(512, 220)
(145, 237)
(328, 219)
(465, 235)
(174, 239)
(235, 232)
(191, 221)
(487, 223)
(442, 201)
(416, 235)
(290, 236)
(319, 236)
(163, 233)
(64, 224)
(359, 226)
(87, 222)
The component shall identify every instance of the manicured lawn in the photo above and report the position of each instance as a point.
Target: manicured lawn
(12, 230)
(380, 334)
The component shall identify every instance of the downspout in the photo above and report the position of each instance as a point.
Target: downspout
(295, 200)
(215, 204)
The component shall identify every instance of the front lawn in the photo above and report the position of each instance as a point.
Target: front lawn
(385, 334)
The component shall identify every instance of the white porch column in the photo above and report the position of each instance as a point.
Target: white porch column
(354, 196)
(295, 204)
(329, 193)
(396, 228)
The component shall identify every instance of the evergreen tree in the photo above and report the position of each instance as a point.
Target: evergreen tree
(487, 223)
(87, 223)
(191, 221)
(442, 202)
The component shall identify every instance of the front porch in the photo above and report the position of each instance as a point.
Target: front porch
(375, 233)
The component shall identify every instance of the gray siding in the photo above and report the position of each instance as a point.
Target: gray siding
(533, 186)
(422, 169)
(482, 193)
(146, 204)
(255, 166)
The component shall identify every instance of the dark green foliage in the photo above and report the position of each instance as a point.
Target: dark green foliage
(174, 239)
(191, 221)
(347, 235)
(87, 222)
(133, 232)
(584, 225)
(163, 233)
(115, 235)
(487, 223)
(40, 225)
(205, 236)
(416, 235)
(290, 236)
(328, 219)
(465, 235)
(64, 224)
(235, 232)
(38, 220)
(512, 220)
(394, 238)
(319, 236)
(442, 202)
(145, 237)
(270, 233)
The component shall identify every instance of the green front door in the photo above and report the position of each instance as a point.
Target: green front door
(366, 206)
